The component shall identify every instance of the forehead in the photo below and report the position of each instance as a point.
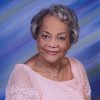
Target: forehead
(53, 25)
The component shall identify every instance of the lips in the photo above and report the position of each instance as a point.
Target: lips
(52, 52)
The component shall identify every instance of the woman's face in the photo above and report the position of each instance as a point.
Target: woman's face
(53, 40)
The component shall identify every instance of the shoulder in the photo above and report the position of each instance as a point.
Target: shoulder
(82, 76)
(80, 70)
(20, 85)
(78, 67)
(74, 60)
(20, 75)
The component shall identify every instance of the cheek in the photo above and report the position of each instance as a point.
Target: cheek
(40, 43)
(65, 46)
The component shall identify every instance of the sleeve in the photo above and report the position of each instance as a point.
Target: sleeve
(19, 86)
(84, 80)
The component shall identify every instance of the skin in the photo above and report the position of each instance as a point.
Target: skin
(53, 43)
(54, 36)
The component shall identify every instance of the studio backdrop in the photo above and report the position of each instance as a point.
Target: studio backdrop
(17, 44)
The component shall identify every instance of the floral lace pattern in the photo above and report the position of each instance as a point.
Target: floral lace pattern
(25, 84)
(23, 92)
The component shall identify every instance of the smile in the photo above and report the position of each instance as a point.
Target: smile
(52, 52)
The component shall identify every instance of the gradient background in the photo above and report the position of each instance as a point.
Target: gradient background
(17, 44)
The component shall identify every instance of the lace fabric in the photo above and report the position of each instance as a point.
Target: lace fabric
(22, 85)
(22, 92)
(19, 86)
(82, 76)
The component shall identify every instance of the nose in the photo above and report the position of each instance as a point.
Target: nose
(53, 43)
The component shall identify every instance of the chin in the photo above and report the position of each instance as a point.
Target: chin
(52, 58)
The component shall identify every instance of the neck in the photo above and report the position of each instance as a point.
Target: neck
(54, 67)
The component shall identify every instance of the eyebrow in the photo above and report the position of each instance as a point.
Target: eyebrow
(46, 32)
(58, 33)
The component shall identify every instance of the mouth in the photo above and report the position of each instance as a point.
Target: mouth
(52, 52)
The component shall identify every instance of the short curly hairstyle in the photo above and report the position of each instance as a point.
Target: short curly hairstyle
(63, 13)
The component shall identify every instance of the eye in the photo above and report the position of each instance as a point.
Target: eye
(45, 36)
(61, 38)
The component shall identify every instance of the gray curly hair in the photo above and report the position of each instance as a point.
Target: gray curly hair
(64, 13)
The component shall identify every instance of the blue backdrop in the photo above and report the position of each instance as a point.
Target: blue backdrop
(17, 44)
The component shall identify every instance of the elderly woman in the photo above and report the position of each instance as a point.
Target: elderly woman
(49, 75)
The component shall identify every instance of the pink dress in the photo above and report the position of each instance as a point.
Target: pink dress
(26, 84)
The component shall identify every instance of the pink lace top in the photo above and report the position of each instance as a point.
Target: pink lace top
(26, 84)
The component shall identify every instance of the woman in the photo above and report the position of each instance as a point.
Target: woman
(49, 75)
